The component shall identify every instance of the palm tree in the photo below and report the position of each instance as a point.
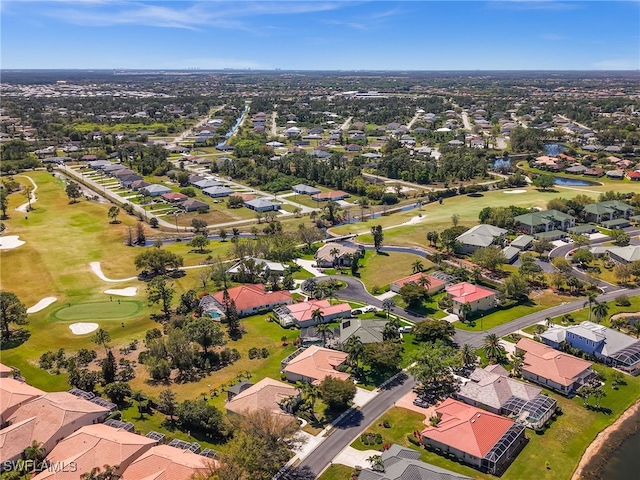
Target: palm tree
(619, 323)
(591, 299)
(334, 252)
(492, 347)
(476, 274)
(310, 395)
(109, 473)
(417, 266)
(585, 391)
(538, 329)
(517, 364)
(317, 316)
(102, 337)
(635, 329)
(35, 452)
(548, 322)
(600, 311)
(323, 329)
(468, 355)
(354, 349)
(387, 305)
(376, 463)
(289, 403)
(391, 330)
(424, 282)
(465, 310)
(599, 394)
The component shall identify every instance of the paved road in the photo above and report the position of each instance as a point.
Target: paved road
(465, 120)
(345, 126)
(350, 428)
(414, 120)
(565, 249)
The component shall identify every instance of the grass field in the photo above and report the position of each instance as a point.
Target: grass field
(98, 310)
(380, 269)
(336, 472)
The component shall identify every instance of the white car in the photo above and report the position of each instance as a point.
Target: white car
(405, 329)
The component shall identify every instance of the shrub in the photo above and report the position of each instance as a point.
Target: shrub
(622, 301)
(413, 440)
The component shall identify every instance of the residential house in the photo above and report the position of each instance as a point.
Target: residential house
(47, 419)
(492, 389)
(594, 172)
(545, 221)
(311, 336)
(305, 189)
(553, 369)
(163, 462)
(400, 463)
(122, 172)
(217, 192)
(510, 253)
(476, 297)
(480, 236)
(267, 394)
(174, 197)
(314, 364)
(302, 313)
(522, 242)
(612, 347)
(576, 169)
(476, 437)
(93, 446)
(333, 254)
(262, 205)
(5, 371)
(352, 147)
(139, 185)
(624, 255)
(193, 205)
(615, 174)
(548, 163)
(14, 394)
(252, 299)
(206, 183)
(368, 331)
(273, 267)
(633, 175)
(432, 284)
(237, 389)
(607, 210)
(330, 196)
(155, 190)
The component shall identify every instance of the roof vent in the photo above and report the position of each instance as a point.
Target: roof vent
(473, 421)
(478, 415)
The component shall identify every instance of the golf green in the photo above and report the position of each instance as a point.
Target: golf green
(98, 310)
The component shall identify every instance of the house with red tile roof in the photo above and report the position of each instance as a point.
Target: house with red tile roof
(633, 175)
(5, 371)
(266, 394)
(548, 163)
(94, 446)
(314, 364)
(328, 196)
(557, 370)
(252, 299)
(479, 438)
(434, 284)
(301, 313)
(174, 197)
(47, 419)
(477, 297)
(163, 462)
(14, 394)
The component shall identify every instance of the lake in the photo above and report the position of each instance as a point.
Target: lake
(553, 149)
(625, 461)
(572, 182)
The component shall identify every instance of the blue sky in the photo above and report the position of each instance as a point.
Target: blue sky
(322, 34)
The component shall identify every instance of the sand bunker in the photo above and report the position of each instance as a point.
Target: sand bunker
(41, 305)
(414, 220)
(10, 241)
(83, 328)
(97, 269)
(515, 191)
(123, 292)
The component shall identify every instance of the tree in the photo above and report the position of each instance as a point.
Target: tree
(378, 237)
(413, 295)
(113, 213)
(433, 330)
(517, 364)
(12, 310)
(544, 181)
(199, 226)
(387, 305)
(188, 302)
(231, 314)
(529, 268)
(117, 392)
(309, 235)
(417, 266)
(199, 415)
(591, 300)
(448, 237)
(204, 332)
(455, 219)
(376, 462)
(355, 263)
(383, 357)
(622, 273)
(331, 210)
(635, 329)
(167, 403)
(557, 279)
(102, 337)
(336, 393)
(334, 252)
(109, 368)
(582, 256)
(199, 241)
(599, 394)
(316, 316)
(26, 192)
(323, 329)
(154, 222)
(620, 237)
(73, 192)
(160, 290)
(141, 238)
(562, 264)
(35, 452)
(391, 330)
(492, 348)
(109, 473)
(468, 355)
(433, 362)
(465, 310)
(157, 261)
(600, 311)
(516, 287)
(574, 284)
(585, 392)
(354, 349)
(489, 257)
(432, 238)
(4, 202)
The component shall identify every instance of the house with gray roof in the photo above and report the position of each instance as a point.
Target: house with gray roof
(217, 192)
(206, 183)
(193, 205)
(511, 253)
(155, 190)
(608, 210)
(624, 255)
(545, 221)
(305, 189)
(613, 347)
(368, 331)
(576, 169)
(400, 463)
(480, 236)
(523, 242)
(262, 205)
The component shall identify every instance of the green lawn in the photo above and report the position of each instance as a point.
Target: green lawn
(336, 472)
(380, 269)
(98, 310)
(428, 308)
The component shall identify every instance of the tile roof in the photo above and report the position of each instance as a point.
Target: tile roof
(5, 371)
(166, 463)
(551, 364)
(95, 446)
(248, 297)
(303, 311)
(330, 195)
(13, 394)
(267, 394)
(324, 252)
(317, 363)
(466, 428)
(492, 386)
(468, 292)
(174, 196)
(368, 331)
(434, 282)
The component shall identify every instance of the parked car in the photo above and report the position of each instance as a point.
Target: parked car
(369, 309)
(356, 312)
(405, 329)
(421, 402)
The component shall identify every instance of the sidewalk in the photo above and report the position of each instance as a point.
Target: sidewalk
(308, 266)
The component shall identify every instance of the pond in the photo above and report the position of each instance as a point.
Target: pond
(572, 182)
(553, 149)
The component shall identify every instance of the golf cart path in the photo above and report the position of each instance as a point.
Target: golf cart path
(97, 269)
(25, 206)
